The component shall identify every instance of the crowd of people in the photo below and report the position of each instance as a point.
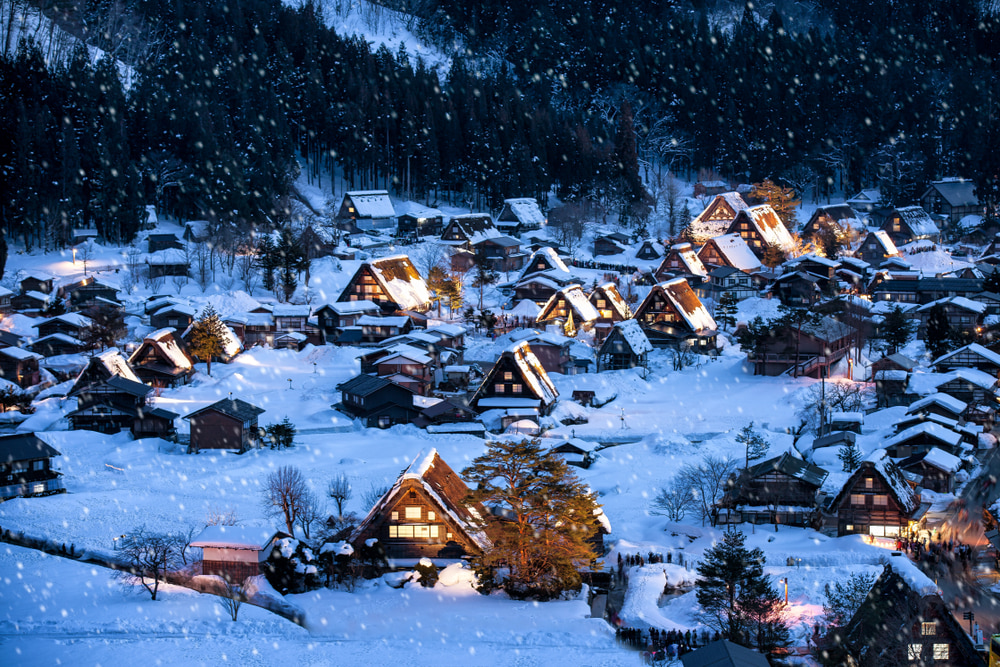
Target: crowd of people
(658, 645)
(950, 552)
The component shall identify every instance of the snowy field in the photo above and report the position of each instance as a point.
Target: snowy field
(55, 610)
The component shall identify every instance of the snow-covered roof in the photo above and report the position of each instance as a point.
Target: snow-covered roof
(116, 364)
(956, 191)
(912, 575)
(372, 203)
(418, 211)
(813, 257)
(972, 348)
(959, 301)
(688, 305)
(946, 401)
(235, 537)
(64, 338)
(557, 270)
(929, 429)
(533, 373)
(446, 488)
(526, 308)
(636, 338)
(973, 376)
(971, 221)
(689, 258)
(19, 353)
(615, 299)
(918, 220)
(942, 460)
(893, 476)
(419, 358)
(165, 342)
(290, 310)
(182, 308)
(576, 300)
(353, 307)
(372, 321)
(869, 197)
(737, 252)
(526, 210)
(167, 257)
(401, 281)
(73, 319)
(883, 239)
(770, 227)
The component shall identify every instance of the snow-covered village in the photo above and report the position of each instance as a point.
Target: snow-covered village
(349, 332)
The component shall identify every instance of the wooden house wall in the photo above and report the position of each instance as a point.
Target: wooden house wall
(172, 320)
(22, 372)
(658, 312)
(506, 374)
(616, 354)
(775, 488)
(934, 479)
(858, 518)
(603, 246)
(387, 529)
(536, 292)
(214, 430)
(364, 287)
(710, 255)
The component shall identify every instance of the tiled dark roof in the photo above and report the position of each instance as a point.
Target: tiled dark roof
(23, 447)
(363, 385)
(791, 466)
(232, 407)
(128, 386)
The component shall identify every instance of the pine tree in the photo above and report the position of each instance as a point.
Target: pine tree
(208, 337)
(896, 328)
(736, 597)
(783, 200)
(267, 260)
(290, 260)
(725, 311)
(753, 443)
(550, 516)
(850, 457)
(939, 334)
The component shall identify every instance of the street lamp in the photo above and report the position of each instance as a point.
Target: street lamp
(289, 383)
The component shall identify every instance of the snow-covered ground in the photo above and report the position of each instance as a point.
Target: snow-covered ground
(667, 418)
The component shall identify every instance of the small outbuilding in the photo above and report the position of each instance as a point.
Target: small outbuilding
(235, 552)
(227, 424)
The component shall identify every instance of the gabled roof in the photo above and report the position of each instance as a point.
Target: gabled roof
(371, 203)
(114, 364)
(972, 348)
(401, 281)
(531, 371)
(950, 403)
(444, 486)
(872, 196)
(633, 334)
(164, 342)
(770, 227)
(918, 220)
(927, 429)
(167, 257)
(557, 268)
(526, 210)
(576, 300)
(882, 238)
(688, 257)
(883, 466)
(936, 458)
(957, 301)
(901, 360)
(72, 319)
(736, 251)
(232, 407)
(235, 537)
(23, 447)
(957, 192)
(687, 304)
(791, 466)
(19, 353)
(614, 299)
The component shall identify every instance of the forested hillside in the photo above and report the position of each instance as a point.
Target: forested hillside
(228, 92)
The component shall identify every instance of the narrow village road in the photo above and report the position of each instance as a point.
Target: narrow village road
(962, 589)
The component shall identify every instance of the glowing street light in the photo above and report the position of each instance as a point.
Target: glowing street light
(785, 581)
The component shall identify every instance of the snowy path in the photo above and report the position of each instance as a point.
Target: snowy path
(645, 586)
